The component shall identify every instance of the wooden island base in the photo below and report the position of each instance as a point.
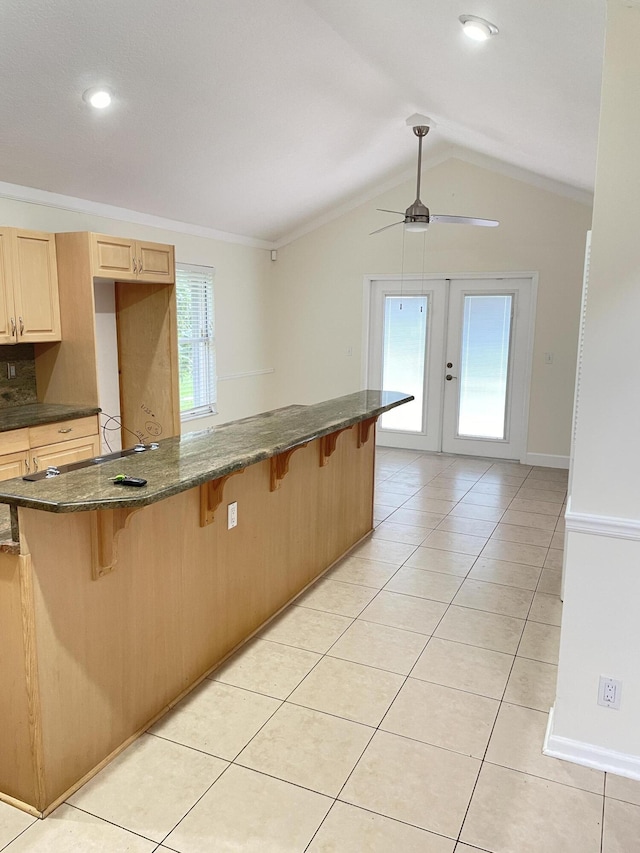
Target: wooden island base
(109, 617)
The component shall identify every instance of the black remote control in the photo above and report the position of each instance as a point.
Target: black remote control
(129, 481)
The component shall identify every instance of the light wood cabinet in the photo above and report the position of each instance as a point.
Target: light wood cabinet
(146, 327)
(13, 465)
(25, 451)
(64, 452)
(29, 302)
(14, 453)
(132, 260)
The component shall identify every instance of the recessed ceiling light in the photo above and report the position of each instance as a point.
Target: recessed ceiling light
(477, 28)
(99, 97)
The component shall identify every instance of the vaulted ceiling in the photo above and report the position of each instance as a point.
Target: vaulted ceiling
(257, 117)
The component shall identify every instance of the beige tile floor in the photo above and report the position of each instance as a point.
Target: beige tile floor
(399, 705)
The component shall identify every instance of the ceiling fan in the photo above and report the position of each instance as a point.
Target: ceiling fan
(417, 216)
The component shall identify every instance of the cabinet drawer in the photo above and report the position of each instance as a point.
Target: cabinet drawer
(14, 440)
(62, 431)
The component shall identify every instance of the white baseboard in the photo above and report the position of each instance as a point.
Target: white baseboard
(601, 525)
(545, 460)
(589, 755)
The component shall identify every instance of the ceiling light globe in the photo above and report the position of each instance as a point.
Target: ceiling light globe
(416, 226)
(476, 31)
(98, 98)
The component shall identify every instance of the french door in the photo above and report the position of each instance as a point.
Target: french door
(462, 348)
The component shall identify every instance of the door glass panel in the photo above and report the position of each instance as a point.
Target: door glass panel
(484, 365)
(403, 359)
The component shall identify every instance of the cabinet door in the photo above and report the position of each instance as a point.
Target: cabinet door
(155, 262)
(13, 465)
(113, 257)
(36, 287)
(7, 332)
(65, 452)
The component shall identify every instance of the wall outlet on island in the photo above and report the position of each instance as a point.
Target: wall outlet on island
(609, 692)
(232, 515)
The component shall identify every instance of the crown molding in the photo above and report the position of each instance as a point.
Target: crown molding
(31, 195)
(524, 175)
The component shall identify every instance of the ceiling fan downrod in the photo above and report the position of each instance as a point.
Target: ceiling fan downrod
(418, 212)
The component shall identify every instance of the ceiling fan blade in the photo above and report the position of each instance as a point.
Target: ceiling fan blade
(393, 224)
(384, 210)
(463, 220)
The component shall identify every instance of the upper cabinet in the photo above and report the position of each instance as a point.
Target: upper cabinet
(145, 326)
(29, 303)
(132, 260)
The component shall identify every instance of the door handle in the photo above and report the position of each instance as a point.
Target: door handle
(449, 377)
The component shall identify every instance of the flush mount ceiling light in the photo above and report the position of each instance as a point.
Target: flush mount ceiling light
(477, 28)
(98, 97)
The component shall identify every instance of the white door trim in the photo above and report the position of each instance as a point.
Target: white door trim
(518, 274)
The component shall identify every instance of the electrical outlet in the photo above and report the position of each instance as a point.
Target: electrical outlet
(11, 370)
(232, 515)
(609, 692)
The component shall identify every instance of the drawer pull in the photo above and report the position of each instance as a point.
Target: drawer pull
(68, 429)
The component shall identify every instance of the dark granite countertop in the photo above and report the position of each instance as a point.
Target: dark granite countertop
(182, 463)
(34, 414)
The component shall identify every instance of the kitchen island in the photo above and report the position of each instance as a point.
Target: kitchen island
(121, 600)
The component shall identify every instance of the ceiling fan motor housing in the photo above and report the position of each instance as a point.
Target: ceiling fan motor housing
(417, 212)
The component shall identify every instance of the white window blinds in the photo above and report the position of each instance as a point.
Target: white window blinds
(196, 340)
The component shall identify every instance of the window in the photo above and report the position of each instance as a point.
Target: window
(196, 340)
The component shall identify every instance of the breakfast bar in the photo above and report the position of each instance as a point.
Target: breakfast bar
(116, 601)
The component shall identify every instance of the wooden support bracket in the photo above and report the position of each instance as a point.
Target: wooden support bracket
(364, 428)
(106, 527)
(328, 445)
(280, 466)
(211, 497)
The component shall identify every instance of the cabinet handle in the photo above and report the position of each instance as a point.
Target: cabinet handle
(35, 464)
(68, 429)
(135, 266)
(13, 327)
(139, 266)
(27, 466)
(21, 325)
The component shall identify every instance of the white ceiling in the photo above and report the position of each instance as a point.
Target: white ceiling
(257, 117)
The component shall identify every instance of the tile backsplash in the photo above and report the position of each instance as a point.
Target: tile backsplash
(22, 389)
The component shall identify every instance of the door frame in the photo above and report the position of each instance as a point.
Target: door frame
(532, 275)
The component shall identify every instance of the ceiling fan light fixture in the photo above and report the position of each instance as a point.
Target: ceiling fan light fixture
(477, 28)
(98, 97)
(416, 226)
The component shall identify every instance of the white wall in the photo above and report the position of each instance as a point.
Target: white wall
(243, 298)
(601, 625)
(319, 283)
